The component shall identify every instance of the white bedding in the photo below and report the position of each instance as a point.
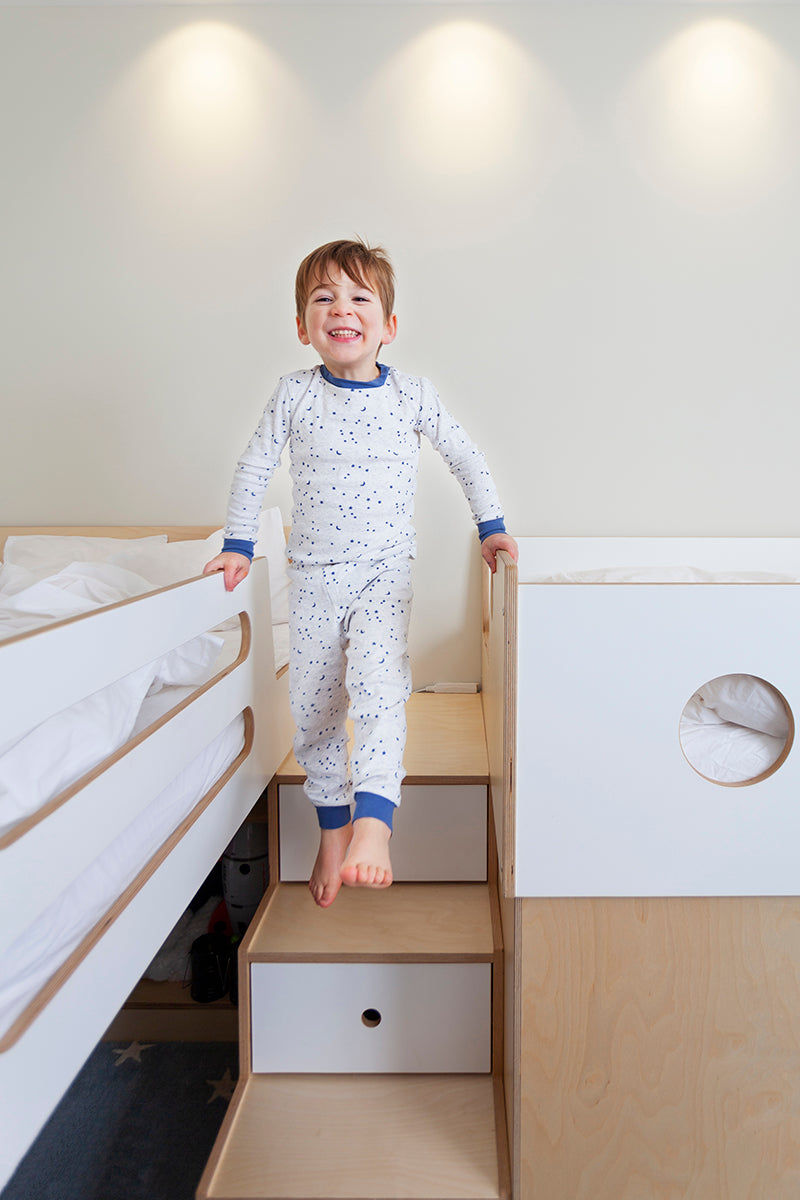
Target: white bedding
(41, 582)
(667, 574)
(45, 945)
(734, 729)
(45, 579)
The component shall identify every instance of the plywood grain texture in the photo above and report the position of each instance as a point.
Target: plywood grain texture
(341, 1137)
(445, 743)
(407, 922)
(660, 1049)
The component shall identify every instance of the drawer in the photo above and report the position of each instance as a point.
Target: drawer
(371, 1017)
(439, 834)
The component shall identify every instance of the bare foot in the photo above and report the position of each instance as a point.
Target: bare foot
(325, 878)
(367, 861)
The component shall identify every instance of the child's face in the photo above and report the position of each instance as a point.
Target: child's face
(346, 325)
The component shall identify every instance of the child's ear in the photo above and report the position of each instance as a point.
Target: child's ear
(301, 333)
(390, 330)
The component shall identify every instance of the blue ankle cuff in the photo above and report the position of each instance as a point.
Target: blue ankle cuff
(333, 816)
(370, 805)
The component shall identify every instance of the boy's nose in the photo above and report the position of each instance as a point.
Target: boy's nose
(342, 306)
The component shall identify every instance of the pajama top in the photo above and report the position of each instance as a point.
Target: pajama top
(354, 451)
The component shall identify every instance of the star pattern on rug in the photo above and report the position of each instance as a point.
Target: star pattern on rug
(223, 1088)
(132, 1052)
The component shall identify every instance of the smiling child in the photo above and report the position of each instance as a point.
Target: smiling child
(353, 427)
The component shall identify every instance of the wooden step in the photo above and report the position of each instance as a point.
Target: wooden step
(446, 742)
(345, 1137)
(419, 922)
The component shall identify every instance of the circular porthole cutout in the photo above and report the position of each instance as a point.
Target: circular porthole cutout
(736, 730)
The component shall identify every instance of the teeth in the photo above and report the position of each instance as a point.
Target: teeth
(344, 333)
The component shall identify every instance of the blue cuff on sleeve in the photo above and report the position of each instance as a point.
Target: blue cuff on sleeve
(368, 804)
(333, 816)
(487, 528)
(238, 547)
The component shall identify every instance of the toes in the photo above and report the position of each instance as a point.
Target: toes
(365, 875)
(349, 874)
(324, 893)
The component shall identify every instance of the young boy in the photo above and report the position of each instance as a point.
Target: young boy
(353, 428)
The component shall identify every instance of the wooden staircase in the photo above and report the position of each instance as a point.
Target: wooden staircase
(371, 1032)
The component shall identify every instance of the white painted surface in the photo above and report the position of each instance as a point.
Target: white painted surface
(609, 308)
(65, 843)
(37, 1069)
(439, 834)
(434, 1017)
(607, 805)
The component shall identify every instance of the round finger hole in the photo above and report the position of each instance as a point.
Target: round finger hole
(736, 730)
(371, 1018)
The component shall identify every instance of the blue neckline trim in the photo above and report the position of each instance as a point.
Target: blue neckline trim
(356, 383)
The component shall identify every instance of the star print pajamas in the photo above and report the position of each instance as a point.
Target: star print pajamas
(354, 450)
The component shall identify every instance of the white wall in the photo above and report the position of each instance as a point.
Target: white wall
(592, 209)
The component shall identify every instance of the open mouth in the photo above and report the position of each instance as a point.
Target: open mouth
(344, 335)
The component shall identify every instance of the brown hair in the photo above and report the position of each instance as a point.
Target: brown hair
(368, 266)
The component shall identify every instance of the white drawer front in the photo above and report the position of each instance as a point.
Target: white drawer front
(439, 834)
(365, 1017)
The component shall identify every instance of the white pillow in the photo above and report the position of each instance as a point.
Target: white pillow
(171, 562)
(45, 553)
(271, 545)
(665, 574)
(748, 701)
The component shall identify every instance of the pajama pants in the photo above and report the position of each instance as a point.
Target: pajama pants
(348, 636)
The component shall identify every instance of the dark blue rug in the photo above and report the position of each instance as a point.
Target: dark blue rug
(138, 1123)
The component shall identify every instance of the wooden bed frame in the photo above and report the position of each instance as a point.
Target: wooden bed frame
(43, 672)
(652, 1041)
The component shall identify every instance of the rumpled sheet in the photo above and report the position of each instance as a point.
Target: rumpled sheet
(42, 948)
(734, 728)
(59, 751)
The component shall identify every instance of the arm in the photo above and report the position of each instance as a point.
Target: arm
(253, 472)
(462, 456)
(469, 466)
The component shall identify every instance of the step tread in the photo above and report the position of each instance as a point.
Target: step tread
(350, 1137)
(413, 921)
(446, 742)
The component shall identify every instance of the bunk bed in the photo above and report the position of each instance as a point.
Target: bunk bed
(143, 711)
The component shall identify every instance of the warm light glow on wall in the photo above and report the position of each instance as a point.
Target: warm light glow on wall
(461, 91)
(207, 84)
(706, 117)
(199, 120)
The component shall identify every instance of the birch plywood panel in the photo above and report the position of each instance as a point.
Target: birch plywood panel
(317, 1137)
(660, 1049)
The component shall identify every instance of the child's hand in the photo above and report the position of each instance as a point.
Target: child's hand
(495, 542)
(235, 567)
